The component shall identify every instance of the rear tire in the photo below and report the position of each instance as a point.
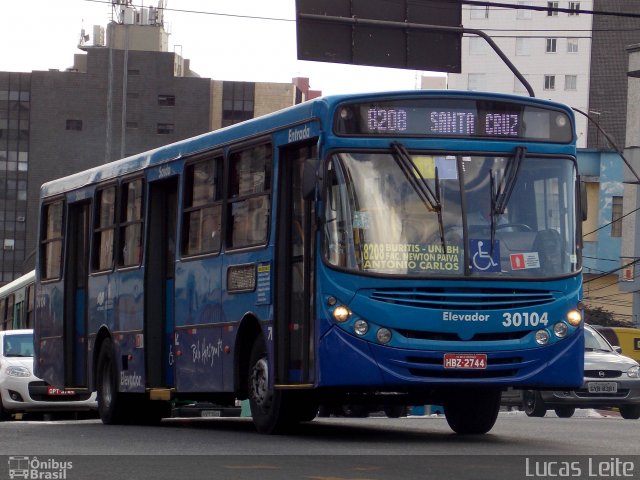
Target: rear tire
(565, 412)
(630, 412)
(472, 411)
(532, 404)
(111, 406)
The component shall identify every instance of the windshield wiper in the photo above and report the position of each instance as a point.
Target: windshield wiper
(411, 171)
(508, 181)
(501, 193)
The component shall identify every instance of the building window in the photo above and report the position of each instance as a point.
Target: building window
(132, 124)
(165, 128)
(476, 81)
(202, 224)
(518, 87)
(166, 100)
(133, 71)
(523, 13)
(477, 46)
(133, 95)
(570, 82)
(616, 217)
(237, 102)
(73, 124)
(549, 82)
(572, 45)
(522, 46)
(575, 6)
(552, 6)
(479, 11)
(552, 44)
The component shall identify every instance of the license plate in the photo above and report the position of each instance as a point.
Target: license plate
(602, 387)
(474, 361)
(210, 413)
(59, 391)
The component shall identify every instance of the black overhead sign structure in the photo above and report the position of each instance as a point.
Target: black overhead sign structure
(383, 33)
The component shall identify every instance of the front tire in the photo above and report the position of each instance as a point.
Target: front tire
(4, 415)
(532, 404)
(472, 412)
(630, 412)
(273, 411)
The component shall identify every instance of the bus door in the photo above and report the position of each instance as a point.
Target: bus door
(159, 282)
(294, 319)
(75, 294)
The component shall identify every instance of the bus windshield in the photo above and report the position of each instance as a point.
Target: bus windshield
(454, 215)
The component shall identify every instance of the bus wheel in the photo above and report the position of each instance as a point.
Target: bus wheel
(110, 401)
(472, 412)
(565, 412)
(267, 405)
(533, 404)
(395, 411)
(630, 412)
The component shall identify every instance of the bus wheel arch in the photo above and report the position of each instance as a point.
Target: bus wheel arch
(248, 331)
(103, 334)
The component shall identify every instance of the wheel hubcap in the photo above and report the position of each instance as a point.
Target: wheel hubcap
(260, 384)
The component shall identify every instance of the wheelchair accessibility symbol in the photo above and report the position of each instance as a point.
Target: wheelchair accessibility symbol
(483, 259)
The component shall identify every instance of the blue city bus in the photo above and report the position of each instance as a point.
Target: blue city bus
(410, 248)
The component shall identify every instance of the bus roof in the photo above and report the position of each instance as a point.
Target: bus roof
(250, 129)
(18, 283)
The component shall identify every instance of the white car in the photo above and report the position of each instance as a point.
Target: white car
(610, 380)
(22, 392)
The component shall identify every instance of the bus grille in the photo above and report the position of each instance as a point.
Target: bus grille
(475, 299)
(453, 337)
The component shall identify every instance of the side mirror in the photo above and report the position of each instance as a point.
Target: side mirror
(617, 348)
(309, 178)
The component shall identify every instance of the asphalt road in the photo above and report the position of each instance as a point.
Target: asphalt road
(326, 449)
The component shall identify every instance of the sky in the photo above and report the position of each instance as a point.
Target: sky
(224, 44)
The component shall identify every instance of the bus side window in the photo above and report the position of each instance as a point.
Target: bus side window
(131, 223)
(249, 194)
(51, 243)
(202, 221)
(104, 229)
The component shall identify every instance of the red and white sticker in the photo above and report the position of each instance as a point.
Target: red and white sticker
(523, 261)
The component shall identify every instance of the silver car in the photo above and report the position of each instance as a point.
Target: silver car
(610, 380)
(22, 392)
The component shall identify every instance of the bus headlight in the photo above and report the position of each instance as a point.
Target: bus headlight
(560, 329)
(542, 337)
(341, 314)
(383, 335)
(361, 327)
(574, 317)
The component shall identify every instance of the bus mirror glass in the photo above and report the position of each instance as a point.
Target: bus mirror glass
(309, 178)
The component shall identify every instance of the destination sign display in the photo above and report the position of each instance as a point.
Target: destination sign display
(454, 117)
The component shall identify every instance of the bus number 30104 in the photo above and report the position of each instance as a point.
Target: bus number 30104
(524, 319)
(386, 120)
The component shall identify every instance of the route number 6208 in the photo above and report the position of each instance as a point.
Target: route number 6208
(524, 319)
